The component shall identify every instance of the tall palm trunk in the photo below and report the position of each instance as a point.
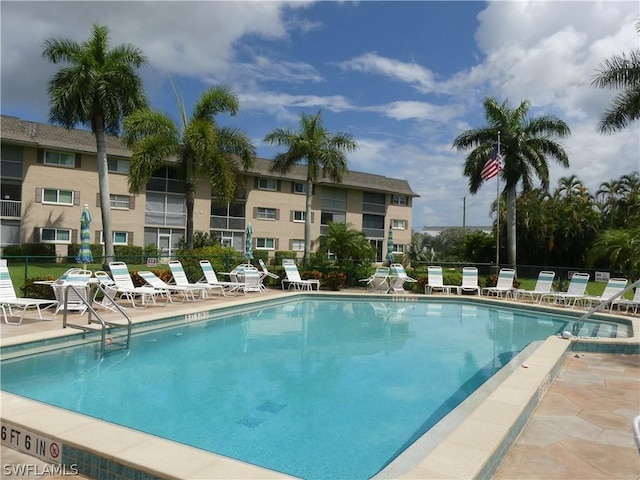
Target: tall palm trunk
(105, 197)
(190, 196)
(307, 222)
(511, 225)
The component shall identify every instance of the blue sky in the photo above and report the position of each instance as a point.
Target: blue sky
(404, 78)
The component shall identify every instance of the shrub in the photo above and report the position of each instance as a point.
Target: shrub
(12, 251)
(281, 254)
(311, 275)
(422, 281)
(129, 254)
(37, 250)
(31, 290)
(335, 280)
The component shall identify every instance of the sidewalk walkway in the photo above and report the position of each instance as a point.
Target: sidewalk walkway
(582, 427)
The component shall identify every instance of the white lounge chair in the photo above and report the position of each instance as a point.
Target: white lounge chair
(76, 298)
(614, 287)
(504, 285)
(180, 279)
(629, 304)
(124, 288)
(252, 282)
(378, 282)
(469, 281)
(435, 281)
(212, 281)
(575, 292)
(293, 277)
(9, 299)
(265, 273)
(542, 287)
(398, 278)
(166, 289)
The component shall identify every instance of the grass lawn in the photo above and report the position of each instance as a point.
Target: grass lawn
(19, 272)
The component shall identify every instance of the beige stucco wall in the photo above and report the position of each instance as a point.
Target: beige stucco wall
(83, 180)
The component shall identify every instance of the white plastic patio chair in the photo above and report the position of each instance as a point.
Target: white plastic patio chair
(435, 281)
(378, 282)
(542, 287)
(211, 279)
(398, 278)
(575, 292)
(504, 285)
(469, 281)
(293, 277)
(9, 299)
(124, 288)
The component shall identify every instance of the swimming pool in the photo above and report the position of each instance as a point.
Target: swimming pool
(313, 388)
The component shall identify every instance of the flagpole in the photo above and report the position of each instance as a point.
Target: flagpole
(498, 212)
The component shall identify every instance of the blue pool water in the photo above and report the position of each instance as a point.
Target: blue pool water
(318, 389)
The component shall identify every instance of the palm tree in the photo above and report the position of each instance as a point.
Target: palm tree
(620, 249)
(569, 187)
(620, 72)
(525, 145)
(98, 88)
(200, 146)
(323, 153)
(346, 243)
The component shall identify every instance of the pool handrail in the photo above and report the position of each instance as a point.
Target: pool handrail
(604, 303)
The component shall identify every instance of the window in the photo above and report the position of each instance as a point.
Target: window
(117, 165)
(398, 248)
(267, 184)
(165, 210)
(11, 162)
(299, 187)
(399, 199)
(165, 179)
(297, 245)
(373, 203)
(60, 158)
(299, 216)
(266, 213)
(55, 235)
(119, 201)
(399, 224)
(61, 197)
(266, 243)
(326, 217)
(333, 199)
(119, 238)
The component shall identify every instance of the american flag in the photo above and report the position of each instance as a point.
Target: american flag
(493, 166)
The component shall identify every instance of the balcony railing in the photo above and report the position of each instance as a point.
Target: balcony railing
(373, 232)
(10, 208)
(227, 223)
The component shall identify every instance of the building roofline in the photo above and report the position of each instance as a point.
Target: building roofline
(43, 135)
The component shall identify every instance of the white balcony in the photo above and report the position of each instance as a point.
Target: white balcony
(10, 208)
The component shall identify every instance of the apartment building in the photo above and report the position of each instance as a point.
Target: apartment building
(49, 173)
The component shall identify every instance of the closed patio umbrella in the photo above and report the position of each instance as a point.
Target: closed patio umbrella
(390, 246)
(248, 248)
(84, 254)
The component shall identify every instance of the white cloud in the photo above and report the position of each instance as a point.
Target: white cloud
(413, 74)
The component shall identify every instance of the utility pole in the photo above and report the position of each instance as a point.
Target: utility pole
(464, 212)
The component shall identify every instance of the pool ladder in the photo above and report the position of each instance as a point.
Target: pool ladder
(99, 324)
(601, 305)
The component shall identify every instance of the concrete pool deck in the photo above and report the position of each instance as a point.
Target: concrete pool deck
(580, 426)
